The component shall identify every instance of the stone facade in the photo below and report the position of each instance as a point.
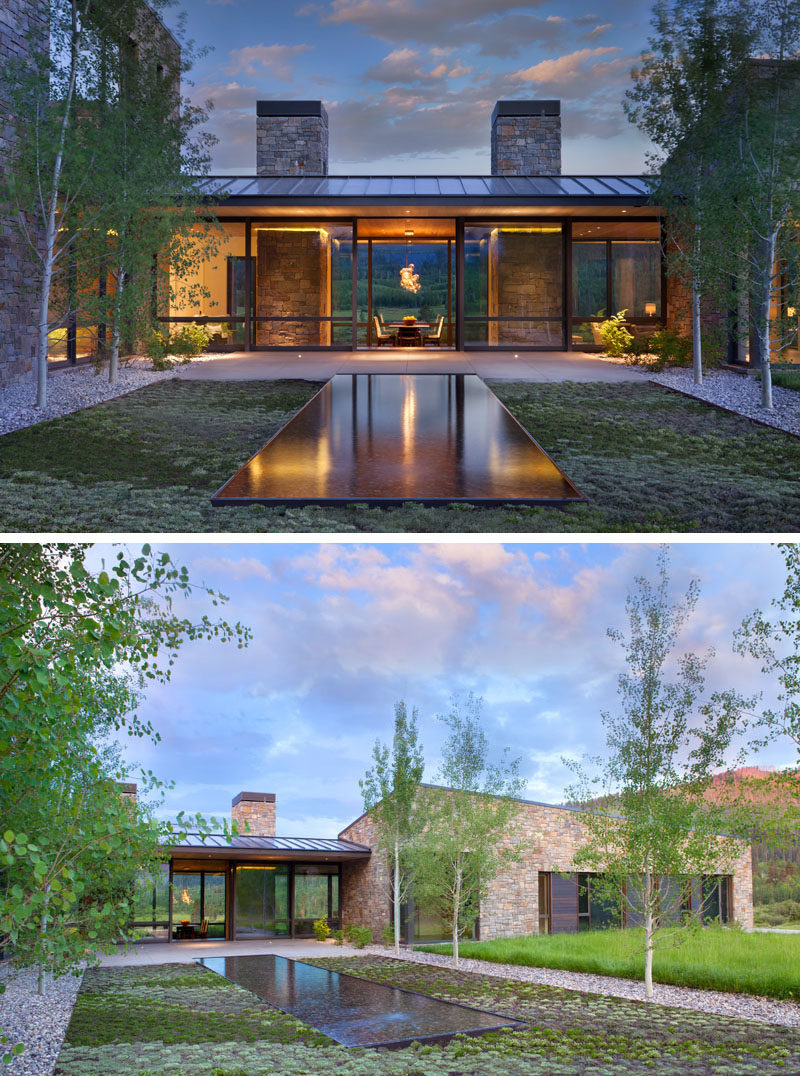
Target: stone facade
(291, 138)
(552, 836)
(18, 20)
(525, 280)
(526, 138)
(257, 809)
(292, 278)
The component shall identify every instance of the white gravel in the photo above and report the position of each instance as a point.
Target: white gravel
(39, 1022)
(738, 393)
(72, 389)
(742, 1006)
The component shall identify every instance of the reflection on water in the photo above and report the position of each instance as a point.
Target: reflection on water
(395, 437)
(352, 1011)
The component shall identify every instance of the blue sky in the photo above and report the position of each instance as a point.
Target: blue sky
(342, 631)
(410, 84)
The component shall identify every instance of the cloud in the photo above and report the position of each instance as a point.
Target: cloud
(564, 69)
(276, 60)
(404, 65)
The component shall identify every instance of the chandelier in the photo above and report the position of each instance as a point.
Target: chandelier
(408, 278)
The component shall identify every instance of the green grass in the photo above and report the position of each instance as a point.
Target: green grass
(788, 377)
(647, 459)
(712, 958)
(183, 1020)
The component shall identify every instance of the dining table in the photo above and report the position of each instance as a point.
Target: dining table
(408, 332)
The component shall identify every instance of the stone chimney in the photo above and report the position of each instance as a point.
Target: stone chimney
(526, 138)
(291, 138)
(258, 810)
(128, 793)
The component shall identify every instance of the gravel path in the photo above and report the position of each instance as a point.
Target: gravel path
(738, 393)
(744, 1006)
(72, 390)
(39, 1022)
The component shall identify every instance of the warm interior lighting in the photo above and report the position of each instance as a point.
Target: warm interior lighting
(409, 231)
(791, 312)
(538, 230)
(321, 231)
(650, 309)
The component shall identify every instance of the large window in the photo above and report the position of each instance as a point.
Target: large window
(316, 896)
(262, 901)
(199, 895)
(513, 286)
(615, 266)
(151, 904)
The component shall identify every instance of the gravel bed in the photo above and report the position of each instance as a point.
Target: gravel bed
(72, 389)
(744, 1006)
(738, 393)
(39, 1022)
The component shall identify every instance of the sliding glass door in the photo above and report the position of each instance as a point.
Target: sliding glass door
(262, 901)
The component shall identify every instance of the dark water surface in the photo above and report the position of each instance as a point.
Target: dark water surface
(389, 438)
(352, 1011)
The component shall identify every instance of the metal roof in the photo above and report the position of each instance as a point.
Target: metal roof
(451, 190)
(272, 844)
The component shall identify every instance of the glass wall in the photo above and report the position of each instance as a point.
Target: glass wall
(151, 904)
(210, 285)
(262, 901)
(615, 266)
(513, 286)
(303, 285)
(316, 896)
(199, 895)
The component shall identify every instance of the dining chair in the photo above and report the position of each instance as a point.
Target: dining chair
(383, 336)
(435, 337)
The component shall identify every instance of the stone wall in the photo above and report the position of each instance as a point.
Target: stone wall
(257, 809)
(292, 278)
(526, 138)
(18, 19)
(525, 280)
(551, 836)
(291, 138)
(365, 894)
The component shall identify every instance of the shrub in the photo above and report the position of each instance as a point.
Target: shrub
(321, 929)
(387, 934)
(358, 936)
(338, 936)
(615, 336)
(190, 340)
(672, 348)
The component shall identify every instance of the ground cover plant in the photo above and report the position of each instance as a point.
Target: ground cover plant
(184, 1020)
(714, 958)
(646, 458)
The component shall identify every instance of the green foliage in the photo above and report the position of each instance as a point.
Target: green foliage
(357, 936)
(387, 935)
(390, 791)
(321, 930)
(338, 936)
(671, 347)
(190, 341)
(615, 336)
(662, 746)
(459, 851)
(76, 647)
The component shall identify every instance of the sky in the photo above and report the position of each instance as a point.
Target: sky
(341, 632)
(410, 85)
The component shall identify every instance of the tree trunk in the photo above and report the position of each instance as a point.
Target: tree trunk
(648, 936)
(113, 351)
(763, 293)
(396, 897)
(697, 337)
(42, 932)
(456, 910)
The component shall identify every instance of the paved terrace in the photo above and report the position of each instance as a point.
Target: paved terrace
(320, 365)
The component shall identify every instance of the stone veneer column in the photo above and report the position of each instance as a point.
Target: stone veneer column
(257, 809)
(525, 280)
(292, 278)
(291, 138)
(18, 19)
(364, 897)
(526, 138)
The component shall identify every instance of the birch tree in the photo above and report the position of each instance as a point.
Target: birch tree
(469, 826)
(679, 99)
(390, 792)
(648, 828)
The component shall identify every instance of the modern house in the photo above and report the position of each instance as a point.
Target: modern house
(522, 258)
(259, 885)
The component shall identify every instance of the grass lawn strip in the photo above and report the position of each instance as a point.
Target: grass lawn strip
(171, 1019)
(648, 460)
(720, 959)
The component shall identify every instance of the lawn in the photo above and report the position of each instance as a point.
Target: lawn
(646, 458)
(183, 1019)
(712, 958)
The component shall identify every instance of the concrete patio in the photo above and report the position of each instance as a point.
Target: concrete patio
(163, 952)
(321, 365)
